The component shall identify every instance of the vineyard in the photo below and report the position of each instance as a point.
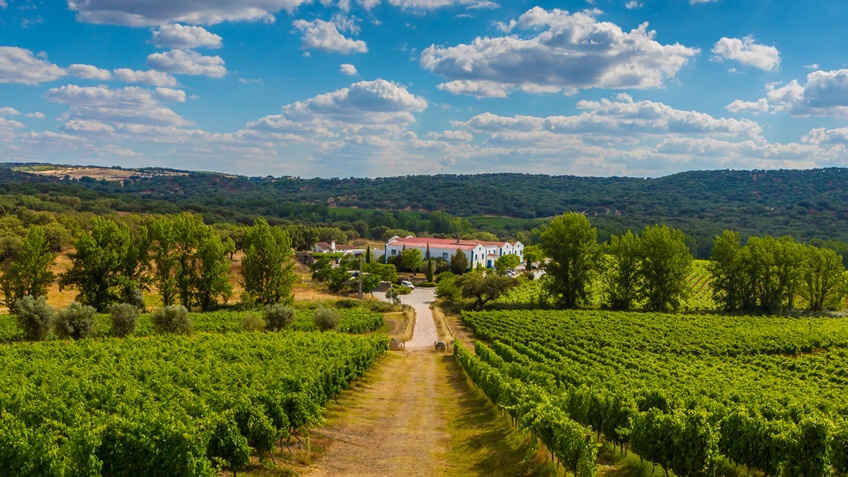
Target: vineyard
(167, 405)
(686, 393)
(352, 320)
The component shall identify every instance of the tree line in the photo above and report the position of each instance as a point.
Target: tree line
(178, 256)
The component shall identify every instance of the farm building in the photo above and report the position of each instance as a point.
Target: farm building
(476, 251)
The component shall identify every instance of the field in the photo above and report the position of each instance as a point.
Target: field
(765, 392)
(167, 405)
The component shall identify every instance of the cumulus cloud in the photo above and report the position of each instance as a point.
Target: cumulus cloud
(8, 111)
(18, 65)
(739, 106)
(348, 69)
(88, 72)
(87, 127)
(428, 4)
(572, 52)
(747, 52)
(35, 115)
(149, 77)
(825, 94)
(327, 36)
(184, 37)
(160, 12)
(117, 106)
(633, 4)
(187, 62)
(378, 104)
(480, 89)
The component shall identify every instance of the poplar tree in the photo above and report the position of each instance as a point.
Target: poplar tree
(268, 265)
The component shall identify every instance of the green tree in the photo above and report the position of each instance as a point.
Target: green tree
(571, 243)
(164, 250)
(411, 260)
(268, 264)
(213, 277)
(34, 316)
(824, 280)
(729, 278)
(533, 256)
(29, 273)
(775, 266)
(506, 262)
(367, 253)
(107, 263)
(459, 262)
(666, 262)
(623, 275)
(483, 288)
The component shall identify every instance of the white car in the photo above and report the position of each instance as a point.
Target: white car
(407, 284)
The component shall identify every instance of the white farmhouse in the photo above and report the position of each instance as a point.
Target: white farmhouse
(476, 251)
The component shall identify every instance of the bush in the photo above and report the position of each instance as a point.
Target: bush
(402, 290)
(426, 285)
(172, 319)
(326, 319)
(253, 323)
(278, 317)
(124, 319)
(34, 317)
(342, 304)
(75, 321)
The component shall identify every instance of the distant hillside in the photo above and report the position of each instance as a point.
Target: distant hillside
(810, 204)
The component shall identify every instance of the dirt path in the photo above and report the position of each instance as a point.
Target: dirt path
(416, 413)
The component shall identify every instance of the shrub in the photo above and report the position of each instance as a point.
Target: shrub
(278, 317)
(34, 317)
(326, 319)
(124, 319)
(172, 319)
(76, 321)
(253, 323)
(342, 304)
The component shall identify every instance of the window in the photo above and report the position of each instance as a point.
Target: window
(445, 255)
(394, 253)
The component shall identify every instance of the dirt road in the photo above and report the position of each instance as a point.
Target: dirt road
(415, 413)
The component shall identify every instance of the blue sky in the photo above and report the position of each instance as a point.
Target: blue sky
(339, 88)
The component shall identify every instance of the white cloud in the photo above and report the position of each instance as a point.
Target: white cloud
(825, 94)
(739, 106)
(87, 127)
(187, 62)
(132, 105)
(572, 52)
(35, 115)
(480, 89)
(747, 52)
(149, 77)
(430, 4)
(18, 65)
(633, 4)
(3, 4)
(695, 2)
(7, 111)
(197, 12)
(348, 69)
(326, 36)
(184, 37)
(88, 72)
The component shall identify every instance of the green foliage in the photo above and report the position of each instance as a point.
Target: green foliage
(278, 316)
(253, 323)
(664, 268)
(483, 288)
(172, 320)
(622, 277)
(34, 317)
(506, 262)
(256, 427)
(458, 262)
(124, 319)
(571, 243)
(227, 447)
(108, 263)
(326, 319)
(76, 321)
(411, 259)
(268, 264)
(29, 272)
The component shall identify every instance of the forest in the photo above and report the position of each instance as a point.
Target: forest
(808, 205)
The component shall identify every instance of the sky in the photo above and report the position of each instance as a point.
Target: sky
(376, 88)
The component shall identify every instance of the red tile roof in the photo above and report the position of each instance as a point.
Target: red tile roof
(442, 243)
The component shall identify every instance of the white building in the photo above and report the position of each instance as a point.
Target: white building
(476, 251)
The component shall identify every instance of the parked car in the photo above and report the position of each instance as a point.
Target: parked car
(407, 284)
